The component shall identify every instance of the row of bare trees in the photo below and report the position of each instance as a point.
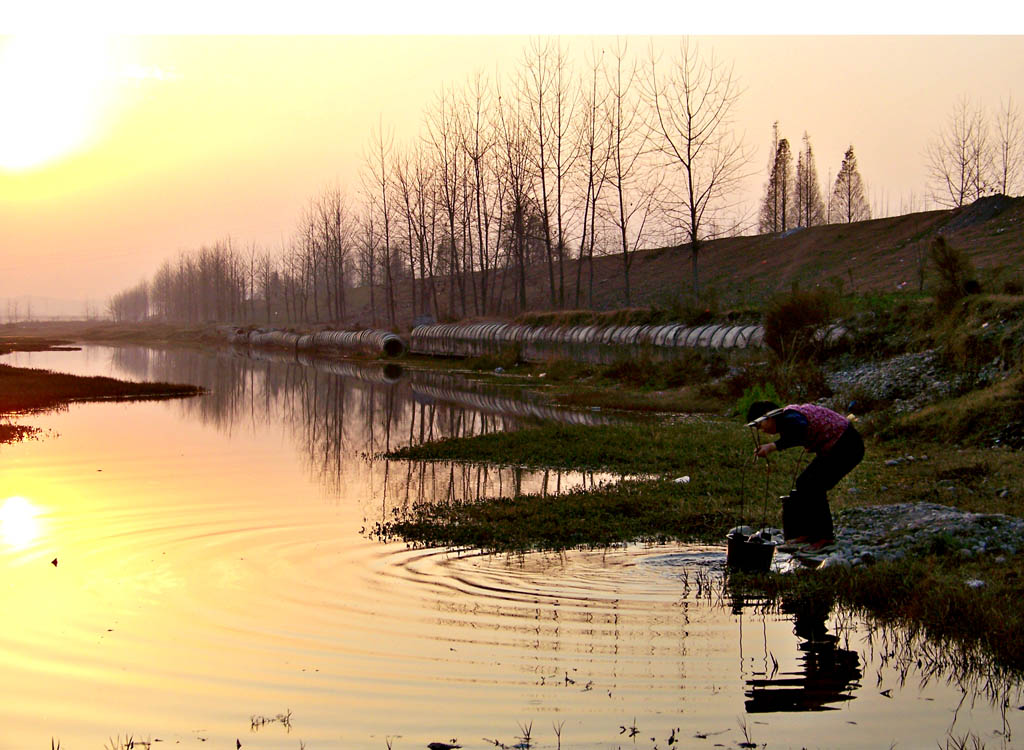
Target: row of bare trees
(516, 183)
(556, 162)
(977, 153)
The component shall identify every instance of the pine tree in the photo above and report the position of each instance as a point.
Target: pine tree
(848, 201)
(769, 205)
(810, 206)
(776, 210)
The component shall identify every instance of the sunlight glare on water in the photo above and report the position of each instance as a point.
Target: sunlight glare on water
(218, 583)
(19, 522)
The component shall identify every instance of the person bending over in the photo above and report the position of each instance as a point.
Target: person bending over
(837, 448)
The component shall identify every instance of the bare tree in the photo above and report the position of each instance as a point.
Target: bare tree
(513, 142)
(332, 243)
(443, 137)
(693, 108)
(957, 157)
(377, 187)
(131, 305)
(478, 139)
(266, 277)
(633, 184)
(536, 84)
(595, 146)
(417, 189)
(1008, 163)
(553, 93)
(368, 249)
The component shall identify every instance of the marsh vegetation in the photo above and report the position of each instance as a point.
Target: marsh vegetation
(968, 425)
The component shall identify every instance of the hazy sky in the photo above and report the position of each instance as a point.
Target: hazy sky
(117, 152)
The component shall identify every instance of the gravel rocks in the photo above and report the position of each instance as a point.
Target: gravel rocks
(907, 381)
(891, 532)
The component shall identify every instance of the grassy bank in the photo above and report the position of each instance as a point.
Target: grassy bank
(25, 390)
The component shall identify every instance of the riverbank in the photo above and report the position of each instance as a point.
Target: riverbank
(936, 397)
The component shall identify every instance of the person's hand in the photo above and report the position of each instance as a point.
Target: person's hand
(763, 450)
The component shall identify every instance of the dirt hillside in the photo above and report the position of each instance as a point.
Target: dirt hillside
(878, 255)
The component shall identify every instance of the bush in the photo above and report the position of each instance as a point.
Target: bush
(954, 271)
(800, 381)
(692, 311)
(759, 392)
(795, 324)
(506, 359)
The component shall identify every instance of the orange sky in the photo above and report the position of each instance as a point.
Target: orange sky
(143, 146)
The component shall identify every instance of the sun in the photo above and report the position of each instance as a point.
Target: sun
(52, 95)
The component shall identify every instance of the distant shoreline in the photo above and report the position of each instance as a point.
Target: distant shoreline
(26, 390)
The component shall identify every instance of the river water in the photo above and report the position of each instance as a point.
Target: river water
(201, 573)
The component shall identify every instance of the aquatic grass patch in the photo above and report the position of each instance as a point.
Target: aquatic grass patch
(692, 446)
(258, 721)
(931, 591)
(686, 383)
(15, 433)
(722, 488)
(128, 743)
(10, 344)
(507, 359)
(655, 511)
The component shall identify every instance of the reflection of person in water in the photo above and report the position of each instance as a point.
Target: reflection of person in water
(829, 672)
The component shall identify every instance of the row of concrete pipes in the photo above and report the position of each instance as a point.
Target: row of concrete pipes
(369, 341)
(599, 344)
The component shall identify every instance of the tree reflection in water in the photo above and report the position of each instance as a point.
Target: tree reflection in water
(343, 414)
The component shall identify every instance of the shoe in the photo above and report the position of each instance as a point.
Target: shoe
(794, 544)
(822, 545)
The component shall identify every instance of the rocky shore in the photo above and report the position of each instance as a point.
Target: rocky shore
(877, 533)
(891, 532)
(904, 383)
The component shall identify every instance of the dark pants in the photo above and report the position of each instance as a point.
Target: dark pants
(805, 512)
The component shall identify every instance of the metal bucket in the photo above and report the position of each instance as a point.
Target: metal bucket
(749, 554)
